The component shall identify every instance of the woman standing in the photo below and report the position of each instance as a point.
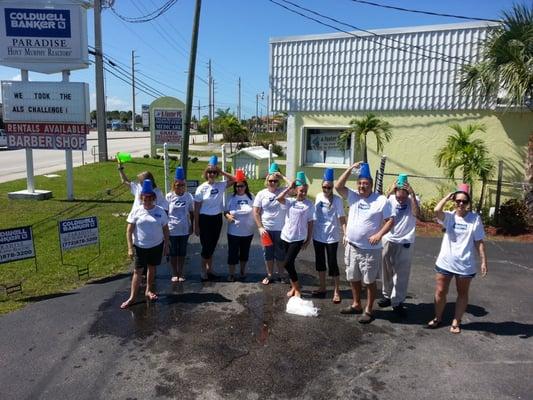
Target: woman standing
(464, 233)
(329, 219)
(240, 225)
(298, 229)
(181, 219)
(269, 218)
(147, 235)
(208, 207)
(135, 187)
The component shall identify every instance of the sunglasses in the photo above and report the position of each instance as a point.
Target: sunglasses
(327, 187)
(273, 181)
(459, 201)
(180, 184)
(240, 186)
(212, 172)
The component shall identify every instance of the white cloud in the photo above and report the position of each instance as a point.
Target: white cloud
(113, 103)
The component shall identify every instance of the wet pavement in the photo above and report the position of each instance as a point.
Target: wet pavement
(221, 340)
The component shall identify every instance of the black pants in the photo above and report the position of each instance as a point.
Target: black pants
(210, 227)
(330, 250)
(291, 251)
(238, 248)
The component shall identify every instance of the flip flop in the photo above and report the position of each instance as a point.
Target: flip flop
(433, 324)
(456, 327)
(351, 310)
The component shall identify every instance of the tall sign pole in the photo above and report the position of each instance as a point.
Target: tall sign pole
(190, 88)
(99, 81)
(133, 90)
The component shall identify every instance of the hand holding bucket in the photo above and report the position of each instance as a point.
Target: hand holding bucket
(266, 240)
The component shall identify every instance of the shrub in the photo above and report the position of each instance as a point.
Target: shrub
(427, 207)
(276, 148)
(513, 217)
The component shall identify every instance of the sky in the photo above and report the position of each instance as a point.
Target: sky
(234, 35)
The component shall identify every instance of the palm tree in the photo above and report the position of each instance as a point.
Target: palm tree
(506, 69)
(381, 129)
(469, 155)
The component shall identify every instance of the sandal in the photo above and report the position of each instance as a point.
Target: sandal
(433, 324)
(351, 310)
(366, 318)
(456, 326)
(336, 298)
(267, 280)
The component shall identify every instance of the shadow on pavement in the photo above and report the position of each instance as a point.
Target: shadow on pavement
(109, 278)
(193, 298)
(508, 328)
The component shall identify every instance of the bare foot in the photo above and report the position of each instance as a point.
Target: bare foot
(291, 293)
(181, 279)
(151, 296)
(126, 304)
(174, 279)
(456, 326)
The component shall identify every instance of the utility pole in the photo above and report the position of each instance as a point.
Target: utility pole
(199, 115)
(133, 90)
(209, 106)
(190, 87)
(257, 96)
(99, 81)
(268, 115)
(213, 109)
(239, 101)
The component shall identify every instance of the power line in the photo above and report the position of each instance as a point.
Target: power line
(447, 59)
(148, 17)
(371, 3)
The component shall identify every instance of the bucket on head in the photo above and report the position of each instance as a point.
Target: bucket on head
(300, 178)
(364, 171)
(213, 160)
(147, 187)
(401, 180)
(273, 168)
(240, 176)
(329, 174)
(463, 187)
(180, 174)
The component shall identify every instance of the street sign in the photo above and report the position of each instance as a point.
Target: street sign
(45, 102)
(16, 244)
(46, 37)
(78, 232)
(168, 126)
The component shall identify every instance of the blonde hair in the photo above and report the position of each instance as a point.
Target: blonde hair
(146, 175)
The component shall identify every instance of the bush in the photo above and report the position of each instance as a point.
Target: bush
(513, 217)
(427, 207)
(276, 148)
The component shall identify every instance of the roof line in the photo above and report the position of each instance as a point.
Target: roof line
(386, 31)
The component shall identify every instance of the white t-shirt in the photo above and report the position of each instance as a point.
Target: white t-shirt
(148, 230)
(365, 218)
(179, 208)
(327, 228)
(298, 214)
(241, 209)
(135, 189)
(457, 253)
(403, 230)
(211, 196)
(272, 214)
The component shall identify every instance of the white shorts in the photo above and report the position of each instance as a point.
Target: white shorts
(362, 264)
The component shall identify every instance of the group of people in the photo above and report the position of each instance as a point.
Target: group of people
(378, 234)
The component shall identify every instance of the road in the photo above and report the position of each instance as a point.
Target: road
(13, 162)
(221, 340)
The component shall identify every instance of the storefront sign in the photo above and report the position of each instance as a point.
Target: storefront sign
(323, 141)
(78, 232)
(44, 37)
(168, 126)
(16, 244)
(46, 128)
(47, 142)
(45, 102)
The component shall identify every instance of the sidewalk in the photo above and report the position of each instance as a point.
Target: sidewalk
(221, 340)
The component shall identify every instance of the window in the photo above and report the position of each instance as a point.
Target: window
(322, 147)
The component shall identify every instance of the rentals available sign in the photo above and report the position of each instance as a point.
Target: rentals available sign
(48, 39)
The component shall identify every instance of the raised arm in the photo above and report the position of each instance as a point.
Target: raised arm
(283, 194)
(340, 185)
(438, 210)
(415, 207)
(230, 178)
(125, 180)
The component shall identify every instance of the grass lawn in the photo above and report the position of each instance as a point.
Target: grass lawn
(98, 192)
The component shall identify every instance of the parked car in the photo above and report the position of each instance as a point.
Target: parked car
(3, 138)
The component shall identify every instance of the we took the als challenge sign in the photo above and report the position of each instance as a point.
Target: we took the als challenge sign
(43, 36)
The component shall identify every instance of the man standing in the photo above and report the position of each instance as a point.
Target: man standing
(398, 246)
(369, 218)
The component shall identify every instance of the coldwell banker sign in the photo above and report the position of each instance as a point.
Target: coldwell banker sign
(41, 38)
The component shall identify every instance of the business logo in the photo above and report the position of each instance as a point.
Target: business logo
(180, 203)
(214, 192)
(364, 206)
(460, 227)
(242, 202)
(29, 22)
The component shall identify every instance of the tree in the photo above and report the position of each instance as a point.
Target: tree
(231, 128)
(467, 154)
(370, 123)
(506, 69)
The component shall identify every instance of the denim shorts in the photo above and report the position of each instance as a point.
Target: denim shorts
(448, 273)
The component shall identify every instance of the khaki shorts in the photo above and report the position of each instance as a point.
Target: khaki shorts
(361, 264)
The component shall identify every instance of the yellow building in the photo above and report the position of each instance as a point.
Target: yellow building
(406, 76)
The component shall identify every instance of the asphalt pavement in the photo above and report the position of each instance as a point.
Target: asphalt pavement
(220, 340)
